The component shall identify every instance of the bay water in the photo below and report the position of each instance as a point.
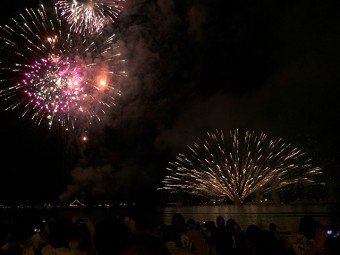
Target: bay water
(286, 217)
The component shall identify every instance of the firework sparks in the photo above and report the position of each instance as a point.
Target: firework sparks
(57, 77)
(89, 16)
(234, 169)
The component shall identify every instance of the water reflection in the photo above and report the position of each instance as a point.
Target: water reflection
(285, 216)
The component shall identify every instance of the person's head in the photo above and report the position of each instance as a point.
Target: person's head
(253, 233)
(198, 225)
(191, 223)
(230, 223)
(171, 234)
(60, 232)
(272, 227)
(322, 223)
(209, 225)
(220, 221)
(110, 235)
(178, 222)
(307, 226)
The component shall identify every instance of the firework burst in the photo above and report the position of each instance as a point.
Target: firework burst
(236, 168)
(54, 75)
(89, 16)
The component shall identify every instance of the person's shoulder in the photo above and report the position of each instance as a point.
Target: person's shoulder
(186, 242)
(68, 251)
(192, 232)
(180, 251)
(296, 238)
(144, 243)
(47, 250)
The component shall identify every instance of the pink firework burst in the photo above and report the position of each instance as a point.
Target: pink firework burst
(56, 76)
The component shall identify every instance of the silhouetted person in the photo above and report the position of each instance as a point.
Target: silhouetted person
(172, 239)
(197, 237)
(208, 230)
(221, 240)
(235, 231)
(110, 236)
(179, 224)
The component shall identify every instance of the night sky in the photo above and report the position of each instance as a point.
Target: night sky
(193, 66)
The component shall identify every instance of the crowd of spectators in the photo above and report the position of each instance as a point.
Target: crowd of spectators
(128, 236)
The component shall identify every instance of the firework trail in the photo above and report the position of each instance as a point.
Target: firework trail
(89, 16)
(236, 168)
(57, 76)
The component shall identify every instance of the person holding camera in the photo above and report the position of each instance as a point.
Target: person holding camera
(310, 240)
